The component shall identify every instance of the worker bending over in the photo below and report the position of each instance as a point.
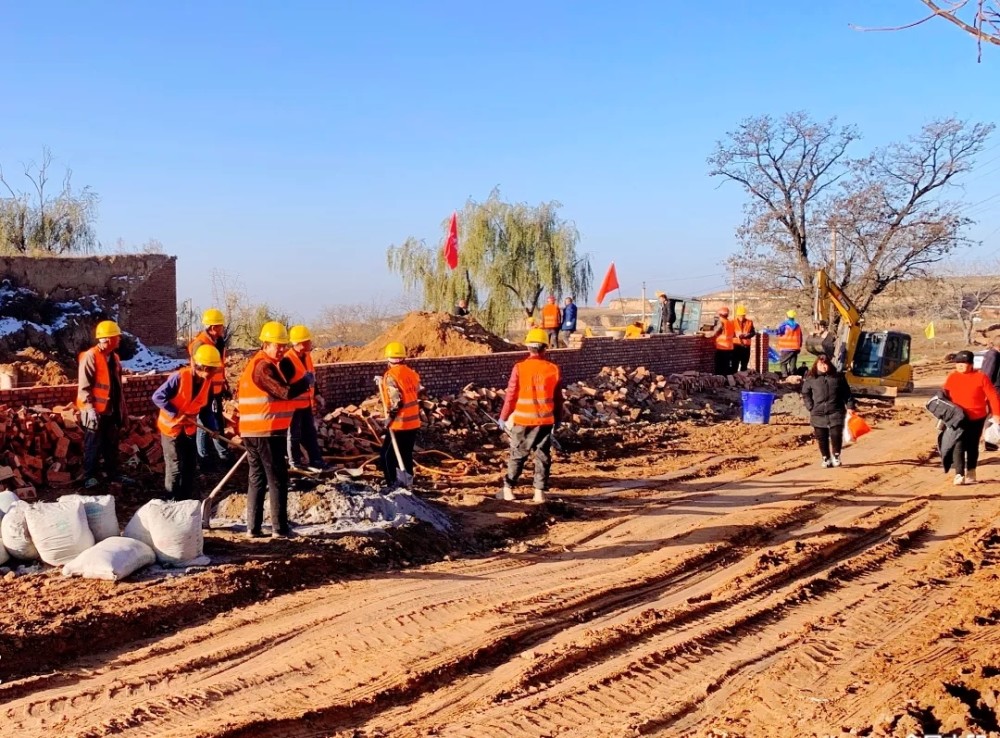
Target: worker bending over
(400, 392)
(210, 417)
(532, 410)
(266, 407)
(295, 364)
(185, 393)
(101, 402)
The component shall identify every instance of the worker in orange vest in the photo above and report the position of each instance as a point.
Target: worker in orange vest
(532, 410)
(551, 320)
(789, 336)
(180, 399)
(266, 405)
(214, 334)
(723, 332)
(400, 392)
(295, 364)
(101, 402)
(745, 333)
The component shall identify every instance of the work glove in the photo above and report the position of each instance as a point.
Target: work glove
(310, 378)
(501, 426)
(88, 419)
(509, 424)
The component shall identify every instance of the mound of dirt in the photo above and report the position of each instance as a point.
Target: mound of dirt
(29, 366)
(429, 334)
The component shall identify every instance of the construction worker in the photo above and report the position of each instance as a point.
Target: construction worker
(568, 326)
(745, 333)
(551, 320)
(180, 399)
(265, 400)
(295, 364)
(532, 410)
(789, 344)
(723, 331)
(663, 315)
(210, 416)
(400, 391)
(101, 402)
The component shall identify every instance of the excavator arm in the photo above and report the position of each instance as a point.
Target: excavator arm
(829, 296)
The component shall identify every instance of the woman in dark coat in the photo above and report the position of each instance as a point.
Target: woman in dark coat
(827, 397)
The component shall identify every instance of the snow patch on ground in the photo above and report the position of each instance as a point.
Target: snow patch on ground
(343, 507)
(145, 360)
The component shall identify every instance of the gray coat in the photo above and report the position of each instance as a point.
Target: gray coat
(951, 418)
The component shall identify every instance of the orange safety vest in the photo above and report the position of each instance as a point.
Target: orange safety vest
(261, 414)
(187, 403)
(724, 341)
(536, 389)
(791, 339)
(101, 389)
(744, 325)
(408, 382)
(551, 317)
(304, 400)
(219, 380)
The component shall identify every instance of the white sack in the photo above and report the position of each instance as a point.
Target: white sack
(112, 559)
(171, 529)
(101, 517)
(7, 500)
(992, 434)
(4, 556)
(59, 530)
(14, 534)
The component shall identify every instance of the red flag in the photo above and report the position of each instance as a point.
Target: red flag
(451, 245)
(610, 283)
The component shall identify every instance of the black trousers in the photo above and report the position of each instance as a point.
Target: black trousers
(789, 362)
(829, 439)
(102, 444)
(741, 358)
(405, 439)
(180, 459)
(723, 361)
(268, 472)
(525, 440)
(965, 455)
(302, 432)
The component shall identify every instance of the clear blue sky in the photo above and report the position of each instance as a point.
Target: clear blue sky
(290, 143)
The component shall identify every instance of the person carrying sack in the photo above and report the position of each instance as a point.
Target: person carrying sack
(974, 393)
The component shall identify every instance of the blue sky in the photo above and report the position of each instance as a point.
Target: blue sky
(290, 143)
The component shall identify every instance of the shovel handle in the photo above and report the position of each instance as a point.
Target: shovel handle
(217, 435)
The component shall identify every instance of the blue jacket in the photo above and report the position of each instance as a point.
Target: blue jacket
(569, 317)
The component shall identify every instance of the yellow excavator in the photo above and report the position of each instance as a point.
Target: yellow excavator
(876, 363)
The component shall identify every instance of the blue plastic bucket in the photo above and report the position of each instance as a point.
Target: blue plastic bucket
(757, 407)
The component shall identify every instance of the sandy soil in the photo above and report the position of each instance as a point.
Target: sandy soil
(700, 580)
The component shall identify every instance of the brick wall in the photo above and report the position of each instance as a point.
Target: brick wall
(143, 285)
(351, 382)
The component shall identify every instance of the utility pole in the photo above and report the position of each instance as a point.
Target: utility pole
(643, 305)
(732, 285)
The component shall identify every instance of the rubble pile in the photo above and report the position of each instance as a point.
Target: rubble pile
(42, 446)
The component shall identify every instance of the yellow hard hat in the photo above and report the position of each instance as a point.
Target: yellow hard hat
(212, 316)
(206, 355)
(395, 350)
(108, 329)
(661, 294)
(741, 310)
(792, 314)
(536, 336)
(273, 332)
(299, 334)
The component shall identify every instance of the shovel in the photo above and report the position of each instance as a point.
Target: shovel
(209, 502)
(404, 478)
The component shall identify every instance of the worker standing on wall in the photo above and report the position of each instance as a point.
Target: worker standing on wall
(266, 407)
(789, 344)
(180, 399)
(295, 364)
(745, 333)
(400, 389)
(568, 326)
(100, 399)
(551, 320)
(532, 410)
(214, 334)
(723, 331)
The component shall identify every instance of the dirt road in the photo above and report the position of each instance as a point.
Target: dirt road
(794, 601)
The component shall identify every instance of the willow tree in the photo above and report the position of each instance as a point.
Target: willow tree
(509, 255)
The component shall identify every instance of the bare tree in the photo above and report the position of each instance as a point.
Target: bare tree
(964, 293)
(354, 325)
(890, 219)
(244, 318)
(982, 23)
(36, 221)
(787, 167)
(149, 246)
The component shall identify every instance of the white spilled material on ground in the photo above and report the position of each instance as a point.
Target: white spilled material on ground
(145, 360)
(343, 507)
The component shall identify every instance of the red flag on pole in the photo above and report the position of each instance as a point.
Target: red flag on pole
(610, 283)
(451, 245)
